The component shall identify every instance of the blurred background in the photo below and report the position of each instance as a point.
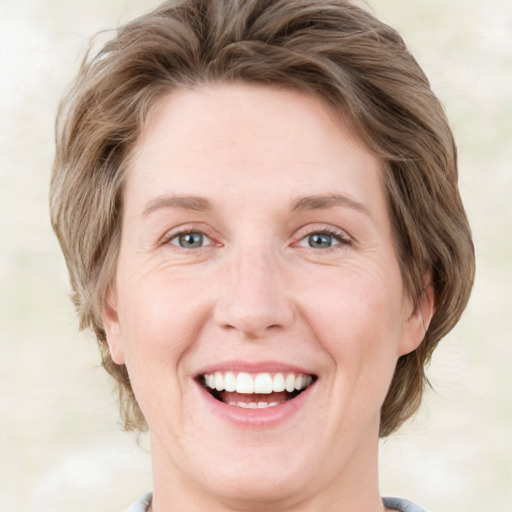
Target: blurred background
(61, 445)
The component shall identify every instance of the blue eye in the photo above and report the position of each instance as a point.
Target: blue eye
(325, 239)
(321, 240)
(191, 240)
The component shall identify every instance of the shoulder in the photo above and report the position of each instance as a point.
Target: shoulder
(142, 504)
(402, 505)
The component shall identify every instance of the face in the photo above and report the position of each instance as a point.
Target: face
(258, 303)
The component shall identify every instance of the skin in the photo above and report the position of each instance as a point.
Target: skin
(255, 290)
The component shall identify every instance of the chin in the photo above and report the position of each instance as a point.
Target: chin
(262, 487)
(261, 475)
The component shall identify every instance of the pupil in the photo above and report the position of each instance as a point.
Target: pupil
(191, 240)
(320, 241)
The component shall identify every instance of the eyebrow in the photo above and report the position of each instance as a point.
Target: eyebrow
(196, 203)
(313, 202)
(318, 202)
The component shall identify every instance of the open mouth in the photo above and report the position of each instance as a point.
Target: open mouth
(255, 391)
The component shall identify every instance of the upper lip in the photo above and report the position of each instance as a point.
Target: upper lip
(253, 367)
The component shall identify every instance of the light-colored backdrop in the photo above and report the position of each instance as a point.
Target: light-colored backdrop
(61, 447)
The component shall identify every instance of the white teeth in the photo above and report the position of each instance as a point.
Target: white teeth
(261, 383)
(219, 381)
(290, 382)
(300, 380)
(278, 384)
(244, 384)
(230, 381)
(253, 405)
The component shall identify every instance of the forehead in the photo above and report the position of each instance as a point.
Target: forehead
(249, 137)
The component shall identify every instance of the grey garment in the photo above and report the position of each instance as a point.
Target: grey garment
(402, 504)
(142, 504)
(397, 503)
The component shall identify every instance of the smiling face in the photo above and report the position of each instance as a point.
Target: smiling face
(258, 303)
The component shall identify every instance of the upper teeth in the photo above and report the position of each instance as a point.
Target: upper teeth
(264, 383)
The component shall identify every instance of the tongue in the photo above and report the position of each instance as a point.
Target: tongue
(228, 396)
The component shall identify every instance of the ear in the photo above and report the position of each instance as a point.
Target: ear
(112, 327)
(416, 325)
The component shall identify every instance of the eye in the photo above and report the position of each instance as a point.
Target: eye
(190, 240)
(324, 239)
(320, 240)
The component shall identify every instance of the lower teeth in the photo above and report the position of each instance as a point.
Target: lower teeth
(277, 399)
(254, 405)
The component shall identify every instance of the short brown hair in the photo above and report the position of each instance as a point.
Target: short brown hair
(329, 48)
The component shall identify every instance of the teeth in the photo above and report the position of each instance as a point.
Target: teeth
(244, 384)
(302, 381)
(253, 405)
(229, 381)
(261, 383)
(278, 383)
(290, 382)
(219, 381)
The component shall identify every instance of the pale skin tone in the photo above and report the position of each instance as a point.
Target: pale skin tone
(292, 261)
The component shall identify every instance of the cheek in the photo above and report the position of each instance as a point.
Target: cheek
(356, 316)
(160, 316)
(159, 319)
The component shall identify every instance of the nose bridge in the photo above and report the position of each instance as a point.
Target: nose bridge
(253, 297)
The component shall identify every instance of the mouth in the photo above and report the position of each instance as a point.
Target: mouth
(255, 391)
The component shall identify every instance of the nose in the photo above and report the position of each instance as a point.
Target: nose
(253, 299)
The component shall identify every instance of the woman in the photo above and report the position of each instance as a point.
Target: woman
(258, 206)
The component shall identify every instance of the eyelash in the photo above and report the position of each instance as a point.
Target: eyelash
(166, 240)
(340, 236)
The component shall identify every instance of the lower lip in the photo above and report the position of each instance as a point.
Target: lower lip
(267, 416)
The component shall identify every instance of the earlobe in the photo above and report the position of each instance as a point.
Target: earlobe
(419, 320)
(112, 328)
